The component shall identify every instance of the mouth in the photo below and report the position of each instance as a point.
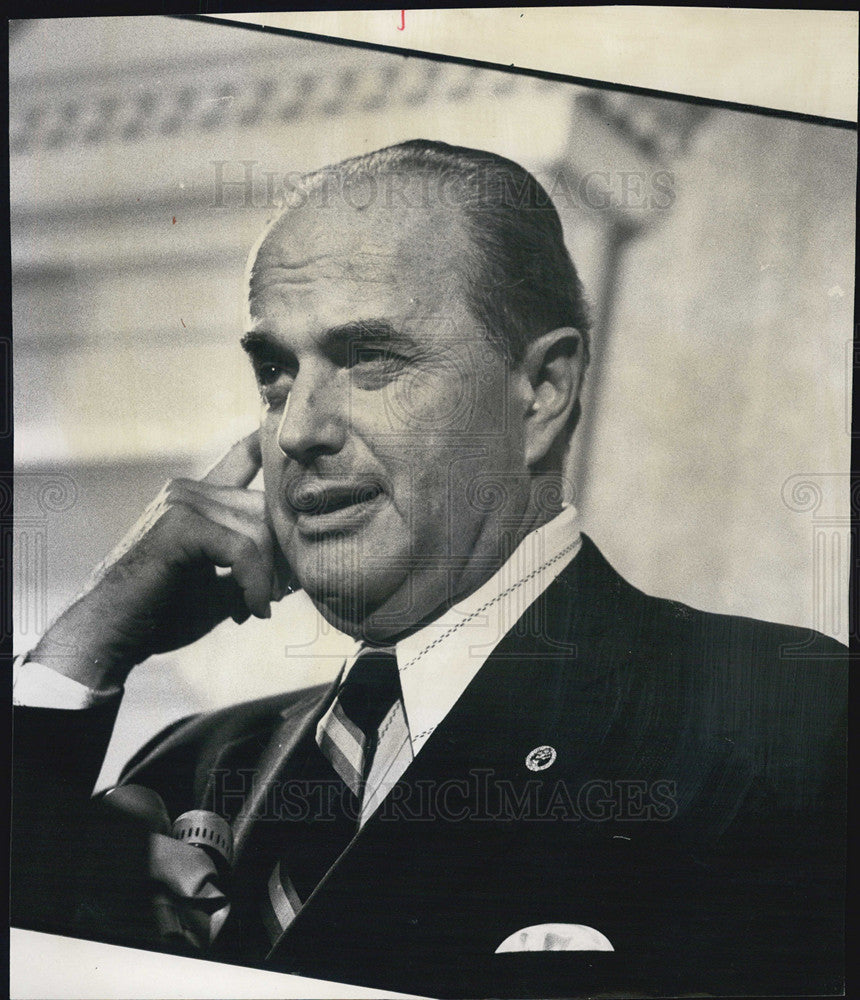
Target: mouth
(328, 506)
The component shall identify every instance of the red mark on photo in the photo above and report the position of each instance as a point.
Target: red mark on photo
(402, 25)
(174, 220)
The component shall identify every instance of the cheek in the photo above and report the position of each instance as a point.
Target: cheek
(430, 403)
(449, 451)
(436, 502)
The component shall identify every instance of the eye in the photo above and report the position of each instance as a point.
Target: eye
(268, 373)
(274, 380)
(375, 367)
(383, 356)
(367, 355)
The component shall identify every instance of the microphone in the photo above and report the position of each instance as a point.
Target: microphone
(198, 827)
(187, 916)
(208, 831)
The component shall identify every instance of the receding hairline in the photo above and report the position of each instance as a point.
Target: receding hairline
(447, 224)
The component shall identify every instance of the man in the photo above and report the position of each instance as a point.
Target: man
(530, 779)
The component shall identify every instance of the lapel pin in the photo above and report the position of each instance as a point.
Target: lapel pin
(541, 758)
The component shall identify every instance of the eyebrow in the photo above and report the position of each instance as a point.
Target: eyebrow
(376, 331)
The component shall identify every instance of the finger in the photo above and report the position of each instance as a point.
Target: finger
(240, 464)
(251, 503)
(241, 615)
(248, 520)
(242, 510)
(225, 599)
(251, 570)
(285, 581)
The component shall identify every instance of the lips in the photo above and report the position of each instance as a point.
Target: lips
(312, 500)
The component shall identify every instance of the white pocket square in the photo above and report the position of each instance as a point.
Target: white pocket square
(556, 937)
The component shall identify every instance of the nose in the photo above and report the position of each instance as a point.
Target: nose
(313, 422)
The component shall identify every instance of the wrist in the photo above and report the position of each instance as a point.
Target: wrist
(83, 654)
(35, 685)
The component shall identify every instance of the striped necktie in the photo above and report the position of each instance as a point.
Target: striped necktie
(332, 779)
(349, 732)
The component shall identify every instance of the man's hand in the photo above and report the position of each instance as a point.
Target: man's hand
(202, 552)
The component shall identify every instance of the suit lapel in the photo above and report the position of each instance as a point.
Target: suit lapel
(279, 760)
(554, 680)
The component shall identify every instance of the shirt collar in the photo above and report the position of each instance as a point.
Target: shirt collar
(437, 662)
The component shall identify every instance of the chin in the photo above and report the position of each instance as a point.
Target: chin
(351, 616)
(349, 604)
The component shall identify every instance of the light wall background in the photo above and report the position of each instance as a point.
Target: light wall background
(712, 463)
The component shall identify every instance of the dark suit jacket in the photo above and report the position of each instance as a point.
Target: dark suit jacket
(694, 814)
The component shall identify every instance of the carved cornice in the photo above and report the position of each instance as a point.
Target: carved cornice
(659, 129)
(157, 103)
(160, 100)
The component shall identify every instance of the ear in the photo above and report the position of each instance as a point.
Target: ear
(553, 366)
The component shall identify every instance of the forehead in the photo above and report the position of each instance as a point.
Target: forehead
(328, 262)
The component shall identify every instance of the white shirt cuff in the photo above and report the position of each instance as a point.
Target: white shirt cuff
(36, 686)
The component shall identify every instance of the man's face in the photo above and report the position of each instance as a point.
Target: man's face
(389, 428)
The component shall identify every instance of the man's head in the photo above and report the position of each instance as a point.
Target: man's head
(418, 333)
